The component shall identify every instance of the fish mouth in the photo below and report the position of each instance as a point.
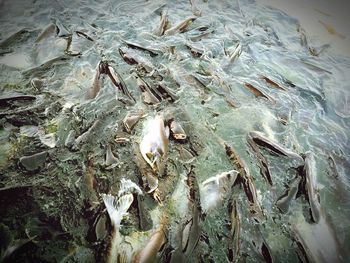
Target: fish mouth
(154, 160)
(180, 136)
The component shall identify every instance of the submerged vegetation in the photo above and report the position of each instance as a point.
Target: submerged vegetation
(170, 131)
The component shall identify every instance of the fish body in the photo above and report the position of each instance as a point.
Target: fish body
(96, 85)
(283, 203)
(264, 168)
(272, 83)
(246, 181)
(164, 23)
(181, 27)
(147, 95)
(154, 144)
(313, 196)
(262, 141)
(117, 207)
(215, 188)
(149, 253)
(236, 53)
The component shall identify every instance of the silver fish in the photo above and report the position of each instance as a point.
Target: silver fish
(180, 27)
(154, 143)
(262, 141)
(147, 96)
(164, 23)
(313, 195)
(96, 85)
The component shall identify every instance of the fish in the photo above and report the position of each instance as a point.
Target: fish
(234, 246)
(180, 27)
(195, 51)
(191, 231)
(236, 53)
(246, 180)
(151, 52)
(117, 207)
(339, 184)
(51, 29)
(131, 119)
(317, 242)
(62, 30)
(261, 245)
(272, 83)
(284, 201)
(147, 95)
(312, 194)
(154, 144)
(257, 92)
(200, 32)
(110, 160)
(303, 39)
(90, 182)
(176, 130)
(164, 23)
(6, 42)
(275, 148)
(315, 52)
(84, 137)
(127, 58)
(96, 85)
(44, 67)
(149, 179)
(119, 83)
(263, 164)
(153, 246)
(321, 12)
(215, 188)
(82, 34)
(165, 93)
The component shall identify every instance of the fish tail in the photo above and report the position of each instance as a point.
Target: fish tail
(117, 207)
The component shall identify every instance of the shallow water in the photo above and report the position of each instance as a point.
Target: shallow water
(53, 201)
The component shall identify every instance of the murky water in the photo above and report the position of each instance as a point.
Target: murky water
(236, 69)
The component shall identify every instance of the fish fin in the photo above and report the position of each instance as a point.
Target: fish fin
(117, 207)
(127, 186)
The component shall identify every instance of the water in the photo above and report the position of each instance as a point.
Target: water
(53, 203)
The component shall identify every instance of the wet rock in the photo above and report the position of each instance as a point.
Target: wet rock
(34, 162)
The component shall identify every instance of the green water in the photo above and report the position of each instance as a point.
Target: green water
(54, 207)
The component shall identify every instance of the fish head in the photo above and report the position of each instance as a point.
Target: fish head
(151, 152)
(155, 158)
(227, 179)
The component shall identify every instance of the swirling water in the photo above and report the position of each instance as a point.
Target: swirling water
(57, 209)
